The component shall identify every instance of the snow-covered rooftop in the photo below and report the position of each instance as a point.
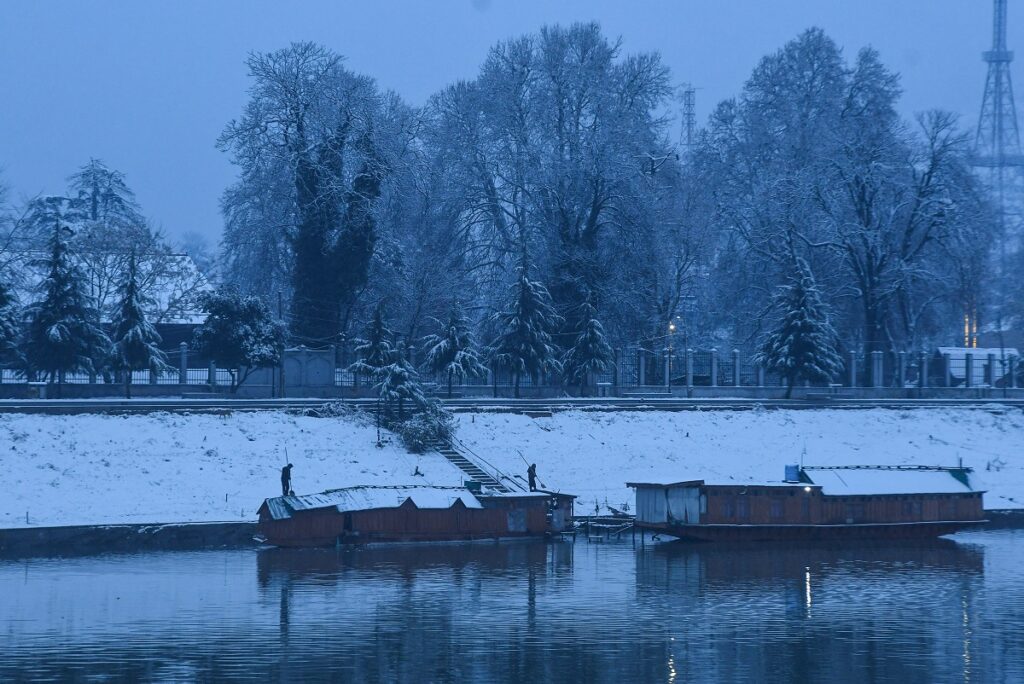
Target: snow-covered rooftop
(369, 497)
(881, 480)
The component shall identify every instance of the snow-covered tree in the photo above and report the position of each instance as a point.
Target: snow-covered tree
(452, 350)
(398, 382)
(239, 333)
(10, 326)
(590, 352)
(136, 343)
(376, 351)
(63, 335)
(523, 345)
(802, 345)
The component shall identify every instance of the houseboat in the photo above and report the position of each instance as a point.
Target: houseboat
(815, 503)
(368, 514)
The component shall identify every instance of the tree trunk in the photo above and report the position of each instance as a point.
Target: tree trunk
(128, 384)
(516, 386)
(791, 380)
(449, 384)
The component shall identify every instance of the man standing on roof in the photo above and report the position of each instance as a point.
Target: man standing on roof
(531, 474)
(286, 480)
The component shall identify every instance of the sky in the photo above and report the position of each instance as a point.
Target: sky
(148, 86)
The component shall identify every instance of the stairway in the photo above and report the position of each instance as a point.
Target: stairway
(473, 471)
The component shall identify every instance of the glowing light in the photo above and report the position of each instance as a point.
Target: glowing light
(807, 489)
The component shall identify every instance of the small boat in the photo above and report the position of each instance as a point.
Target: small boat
(415, 513)
(815, 504)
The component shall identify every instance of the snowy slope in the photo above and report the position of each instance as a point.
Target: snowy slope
(594, 454)
(162, 467)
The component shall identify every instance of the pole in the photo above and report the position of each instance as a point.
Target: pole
(280, 377)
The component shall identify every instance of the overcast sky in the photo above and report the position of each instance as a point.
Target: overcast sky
(148, 86)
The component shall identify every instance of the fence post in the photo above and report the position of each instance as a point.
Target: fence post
(735, 367)
(901, 373)
(991, 370)
(922, 370)
(668, 370)
(642, 363)
(1013, 372)
(211, 374)
(968, 369)
(852, 369)
(689, 369)
(877, 362)
(714, 368)
(183, 364)
(760, 375)
(946, 371)
(617, 372)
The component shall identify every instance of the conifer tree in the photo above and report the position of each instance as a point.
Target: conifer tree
(452, 350)
(9, 326)
(375, 352)
(524, 344)
(136, 343)
(590, 352)
(802, 346)
(399, 382)
(63, 335)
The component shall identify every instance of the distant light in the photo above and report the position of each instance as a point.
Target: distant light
(807, 489)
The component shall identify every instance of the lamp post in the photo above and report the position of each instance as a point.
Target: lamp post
(668, 374)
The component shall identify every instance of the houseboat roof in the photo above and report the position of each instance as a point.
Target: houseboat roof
(368, 497)
(881, 480)
(525, 495)
(859, 480)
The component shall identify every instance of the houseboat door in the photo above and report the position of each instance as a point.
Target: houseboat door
(684, 504)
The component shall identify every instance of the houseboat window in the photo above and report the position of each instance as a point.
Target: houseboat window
(776, 510)
(743, 509)
(727, 508)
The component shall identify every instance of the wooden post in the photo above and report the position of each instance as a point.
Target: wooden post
(1013, 372)
(211, 374)
(689, 368)
(735, 367)
(668, 369)
(714, 368)
(852, 369)
(991, 370)
(946, 371)
(901, 364)
(617, 372)
(922, 370)
(760, 375)
(969, 369)
(642, 363)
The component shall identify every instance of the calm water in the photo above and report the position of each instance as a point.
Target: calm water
(937, 612)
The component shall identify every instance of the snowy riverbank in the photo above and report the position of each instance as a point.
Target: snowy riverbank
(593, 455)
(161, 467)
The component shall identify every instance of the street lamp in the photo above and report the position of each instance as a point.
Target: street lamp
(668, 375)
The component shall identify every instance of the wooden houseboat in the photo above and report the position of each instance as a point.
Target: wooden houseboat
(815, 503)
(361, 515)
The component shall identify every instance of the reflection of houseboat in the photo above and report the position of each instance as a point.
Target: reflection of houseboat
(845, 502)
(360, 515)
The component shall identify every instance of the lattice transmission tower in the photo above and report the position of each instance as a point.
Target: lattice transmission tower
(997, 154)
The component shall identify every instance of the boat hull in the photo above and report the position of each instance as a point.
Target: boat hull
(775, 533)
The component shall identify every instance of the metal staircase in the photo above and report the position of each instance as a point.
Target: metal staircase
(476, 468)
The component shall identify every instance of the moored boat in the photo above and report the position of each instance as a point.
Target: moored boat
(372, 514)
(815, 503)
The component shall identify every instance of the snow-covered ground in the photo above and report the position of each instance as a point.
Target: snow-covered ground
(163, 467)
(593, 455)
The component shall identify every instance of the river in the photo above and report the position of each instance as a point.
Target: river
(618, 611)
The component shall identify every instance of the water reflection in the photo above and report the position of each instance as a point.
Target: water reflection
(941, 611)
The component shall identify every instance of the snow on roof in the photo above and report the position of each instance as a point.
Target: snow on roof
(867, 480)
(368, 497)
